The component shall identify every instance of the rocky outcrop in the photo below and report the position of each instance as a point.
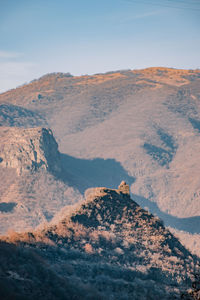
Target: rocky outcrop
(124, 188)
(27, 150)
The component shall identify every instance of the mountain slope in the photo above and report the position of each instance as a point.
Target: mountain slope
(146, 121)
(106, 247)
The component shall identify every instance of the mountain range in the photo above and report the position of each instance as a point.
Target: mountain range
(141, 126)
(63, 236)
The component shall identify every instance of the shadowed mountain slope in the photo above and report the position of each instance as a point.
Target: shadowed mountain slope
(106, 247)
(12, 115)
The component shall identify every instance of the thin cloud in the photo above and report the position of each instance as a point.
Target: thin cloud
(9, 54)
(128, 17)
(147, 14)
(133, 17)
(15, 73)
(14, 70)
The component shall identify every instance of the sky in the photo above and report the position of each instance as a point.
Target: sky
(95, 36)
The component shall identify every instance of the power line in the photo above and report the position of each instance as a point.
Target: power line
(162, 5)
(192, 3)
(165, 4)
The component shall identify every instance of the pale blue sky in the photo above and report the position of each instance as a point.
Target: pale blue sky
(87, 37)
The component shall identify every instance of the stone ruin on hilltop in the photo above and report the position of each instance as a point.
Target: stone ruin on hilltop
(124, 188)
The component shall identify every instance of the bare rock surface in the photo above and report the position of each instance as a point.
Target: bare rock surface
(29, 149)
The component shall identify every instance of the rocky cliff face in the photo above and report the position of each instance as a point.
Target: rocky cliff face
(29, 149)
(30, 169)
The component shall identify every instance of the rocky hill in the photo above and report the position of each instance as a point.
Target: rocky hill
(106, 247)
(30, 170)
(140, 125)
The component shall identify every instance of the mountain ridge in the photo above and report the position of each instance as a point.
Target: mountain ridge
(147, 70)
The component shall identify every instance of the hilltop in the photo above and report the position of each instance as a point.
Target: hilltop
(105, 247)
